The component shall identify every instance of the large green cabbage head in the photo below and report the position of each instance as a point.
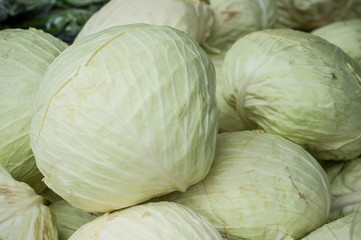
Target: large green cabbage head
(194, 17)
(344, 34)
(260, 186)
(236, 18)
(124, 115)
(23, 216)
(151, 221)
(310, 14)
(24, 58)
(298, 86)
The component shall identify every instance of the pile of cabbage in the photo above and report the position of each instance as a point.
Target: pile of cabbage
(193, 119)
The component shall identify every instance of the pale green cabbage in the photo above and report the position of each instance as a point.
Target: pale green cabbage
(124, 115)
(307, 15)
(69, 218)
(194, 17)
(344, 34)
(23, 216)
(151, 221)
(229, 118)
(345, 228)
(298, 86)
(345, 179)
(24, 57)
(236, 18)
(260, 186)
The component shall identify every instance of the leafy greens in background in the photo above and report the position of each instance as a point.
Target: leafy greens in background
(61, 18)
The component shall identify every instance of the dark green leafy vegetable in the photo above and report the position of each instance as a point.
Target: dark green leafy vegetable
(61, 18)
(11, 8)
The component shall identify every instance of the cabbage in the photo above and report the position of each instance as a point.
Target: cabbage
(344, 34)
(345, 178)
(69, 219)
(194, 17)
(260, 186)
(126, 114)
(307, 15)
(229, 118)
(236, 18)
(151, 221)
(23, 216)
(298, 86)
(347, 227)
(24, 57)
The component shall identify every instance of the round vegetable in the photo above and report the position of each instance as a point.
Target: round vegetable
(24, 57)
(307, 15)
(158, 221)
(194, 17)
(260, 186)
(126, 114)
(236, 18)
(23, 216)
(298, 86)
(344, 34)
